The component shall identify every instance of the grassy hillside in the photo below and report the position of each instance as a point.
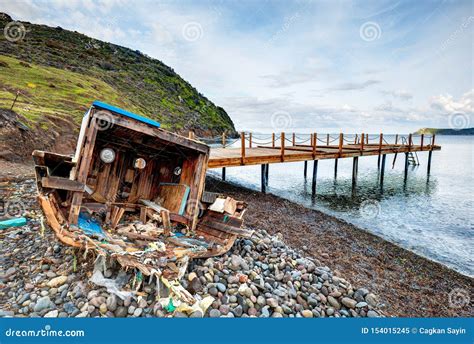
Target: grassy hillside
(60, 72)
(466, 131)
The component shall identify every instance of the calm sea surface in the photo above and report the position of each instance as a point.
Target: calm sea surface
(433, 216)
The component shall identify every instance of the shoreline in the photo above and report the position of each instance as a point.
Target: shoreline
(408, 284)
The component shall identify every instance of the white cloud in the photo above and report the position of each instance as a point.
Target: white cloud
(447, 104)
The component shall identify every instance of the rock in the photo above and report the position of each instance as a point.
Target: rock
(224, 309)
(43, 303)
(103, 308)
(52, 314)
(111, 302)
(307, 313)
(57, 281)
(272, 302)
(121, 312)
(348, 302)
(361, 304)
(243, 278)
(191, 276)
(137, 312)
(213, 291)
(265, 313)
(222, 288)
(29, 286)
(69, 307)
(372, 314)
(196, 314)
(333, 302)
(214, 313)
(238, 311)
(371, 299)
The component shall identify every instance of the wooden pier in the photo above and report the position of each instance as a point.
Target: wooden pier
(293, 147)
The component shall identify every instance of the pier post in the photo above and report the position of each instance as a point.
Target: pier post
(223, 140)
(267, 168)
(406, 167)
(382, 171)
(362, 142)
(305, 169)
(335, 167)
(282, 146)
(294, 140)
(315, 140)
(327, 139)
(430, 153)
(263, 178)
(380, 150)
(250, 140)
(273, 139)
(315, 173)
(223, 173)
(341, 141)
(355, 170)
(242, 148)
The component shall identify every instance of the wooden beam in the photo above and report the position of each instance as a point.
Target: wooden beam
(83, 171)
(305, 169)
(62, 184)
(273, 139)
(294, 139)
(250, 140)
(362, 141)
(421, 140)
(263, 182)
(341, 141)
(335, 167)
(223, 173)
(223, 140)
(282, 146)
(315, 143)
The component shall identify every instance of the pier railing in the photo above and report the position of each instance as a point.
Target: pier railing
(315, 140)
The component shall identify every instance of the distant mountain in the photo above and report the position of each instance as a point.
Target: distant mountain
(467, 131)
(58, 73)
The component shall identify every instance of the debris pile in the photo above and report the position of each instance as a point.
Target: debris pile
(259, 277)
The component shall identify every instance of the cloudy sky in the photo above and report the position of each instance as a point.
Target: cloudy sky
(391, 66)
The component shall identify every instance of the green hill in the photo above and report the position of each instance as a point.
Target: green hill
(467, 131)
(59, 73)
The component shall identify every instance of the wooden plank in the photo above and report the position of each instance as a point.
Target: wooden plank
(83, 170)
(62, 184)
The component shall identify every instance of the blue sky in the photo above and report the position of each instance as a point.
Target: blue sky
(373, 66)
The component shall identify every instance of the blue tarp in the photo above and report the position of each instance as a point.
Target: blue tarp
(104, 106)
(90, 226)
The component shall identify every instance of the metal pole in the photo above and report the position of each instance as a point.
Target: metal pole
(315, 173)
(267, 168)
(429, 161)
(382, 172)
(355, 169)
(263, 181)
(406, 167)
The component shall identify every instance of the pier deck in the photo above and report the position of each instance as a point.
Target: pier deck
(251, 153)
(281, 149)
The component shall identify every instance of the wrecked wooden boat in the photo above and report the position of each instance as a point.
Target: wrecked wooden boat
(135, 192)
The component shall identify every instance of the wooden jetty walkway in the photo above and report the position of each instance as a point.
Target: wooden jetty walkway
(284, 148)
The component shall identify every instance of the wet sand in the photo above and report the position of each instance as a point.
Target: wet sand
(409, 285)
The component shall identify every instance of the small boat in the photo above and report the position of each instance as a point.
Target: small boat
(135, 192)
